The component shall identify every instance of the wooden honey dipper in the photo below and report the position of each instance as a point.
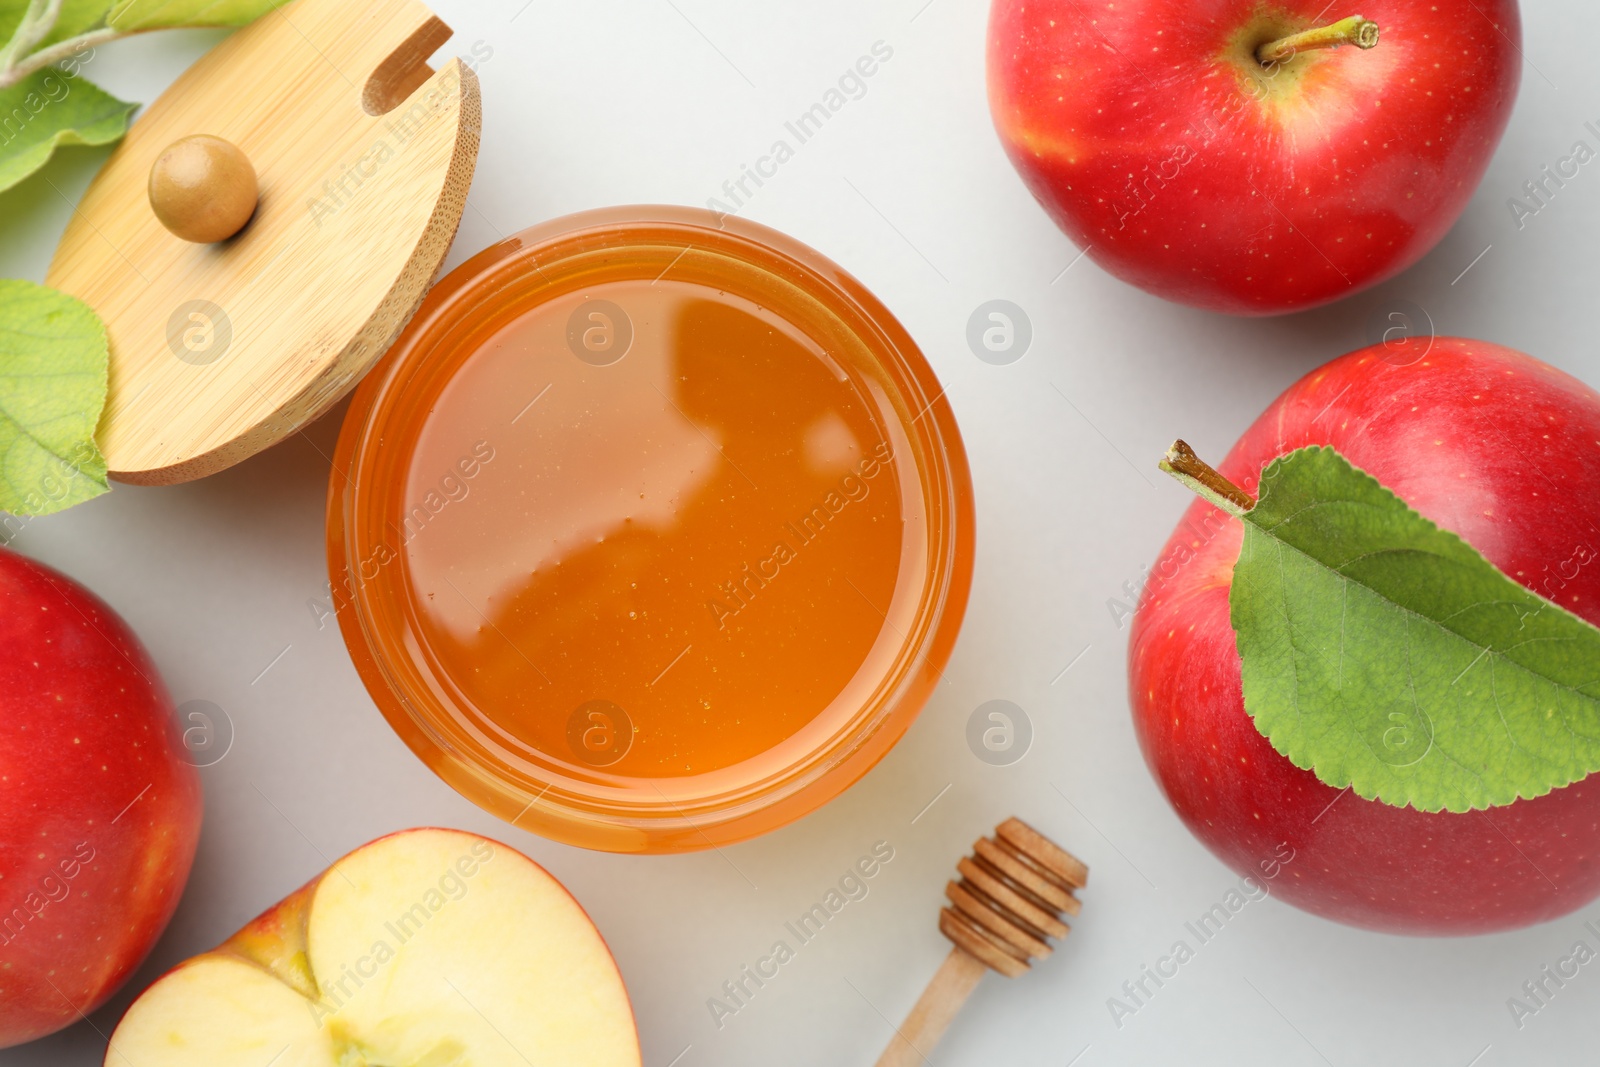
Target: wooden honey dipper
(1013, 890)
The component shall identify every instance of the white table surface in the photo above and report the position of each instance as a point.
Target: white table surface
(608, 102)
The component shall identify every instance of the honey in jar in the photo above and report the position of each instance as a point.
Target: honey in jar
(652, 532)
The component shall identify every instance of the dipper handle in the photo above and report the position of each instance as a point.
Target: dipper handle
(938, 1006)
(1007, 905)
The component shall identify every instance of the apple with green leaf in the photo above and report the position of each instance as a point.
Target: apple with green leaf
(1376, 638)
(1247, 157)
(100, 806)
(426, 948)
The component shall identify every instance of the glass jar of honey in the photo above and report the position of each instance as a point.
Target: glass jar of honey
(653, 531)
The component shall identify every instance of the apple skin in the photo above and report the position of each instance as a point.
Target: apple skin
(1485, 441)
(1152, 137)
(99, 807)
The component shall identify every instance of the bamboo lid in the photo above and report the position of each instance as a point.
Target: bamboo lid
(364, 155)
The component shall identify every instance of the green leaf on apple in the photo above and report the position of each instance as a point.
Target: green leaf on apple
(1388, 655)
(133, 16)
(49, 108)
(53, 368)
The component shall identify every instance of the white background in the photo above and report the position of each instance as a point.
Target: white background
(601, 102)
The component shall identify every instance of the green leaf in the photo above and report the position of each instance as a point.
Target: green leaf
(53, 360)
(11, 12)
(1388, 655)
(131, 16)
(77, 17)
(49, 108)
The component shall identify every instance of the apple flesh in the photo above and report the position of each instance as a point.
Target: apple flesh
(100, 807)
(1156, 139)
(1484, 441)
(427, 948)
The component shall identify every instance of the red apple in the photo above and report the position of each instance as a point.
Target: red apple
(1487, 442)
(99, 808)
(1157, 139)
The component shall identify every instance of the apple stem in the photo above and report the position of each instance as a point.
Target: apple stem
(1204, 480)
(1361, 32)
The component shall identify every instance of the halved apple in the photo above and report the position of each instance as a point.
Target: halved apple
(427, 948)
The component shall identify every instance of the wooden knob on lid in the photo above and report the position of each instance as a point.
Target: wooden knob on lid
(203, 189)
(1004, 909)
